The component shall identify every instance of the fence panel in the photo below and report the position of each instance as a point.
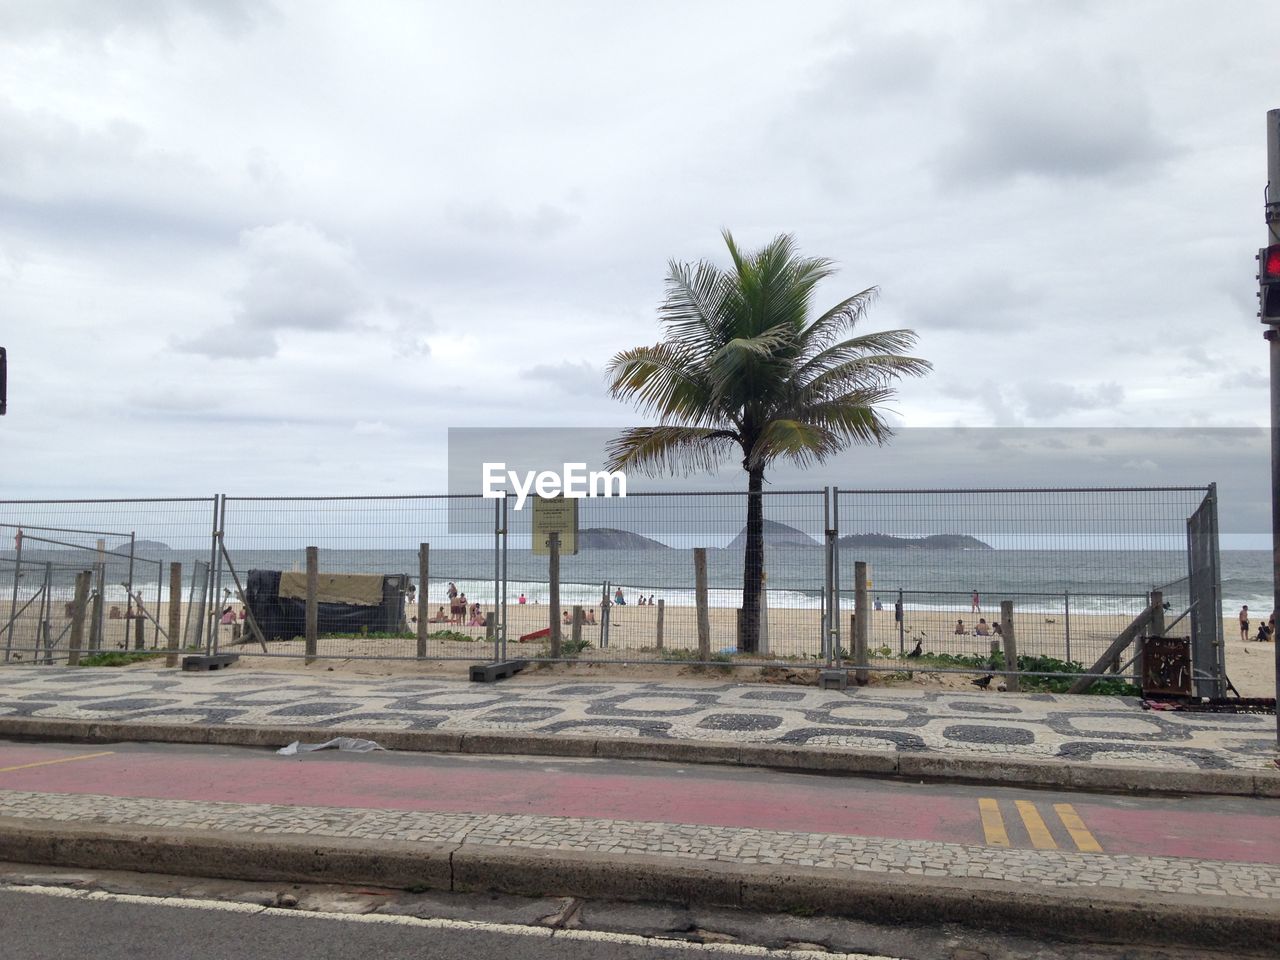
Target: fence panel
(373, 536)
(642, 548)
(127, 546)
(1078, 565)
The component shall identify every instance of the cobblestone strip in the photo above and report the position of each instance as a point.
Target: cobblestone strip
(681, 841)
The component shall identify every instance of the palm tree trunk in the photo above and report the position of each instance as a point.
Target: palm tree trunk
(753, 564)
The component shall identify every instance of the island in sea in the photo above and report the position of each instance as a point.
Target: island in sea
(607, 538)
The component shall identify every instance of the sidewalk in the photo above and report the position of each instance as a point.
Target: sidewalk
(1106, 743)
(1034, 740)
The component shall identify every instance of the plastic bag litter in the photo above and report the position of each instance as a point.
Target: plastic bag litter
(337, 743)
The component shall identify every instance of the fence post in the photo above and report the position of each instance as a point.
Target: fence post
(900, 616)
(424, 607)
(78, 608)
(13, 604)
(139, 628)
(576, 631)
(553, 575)
(862, 617)
(95, 622)
(313, 605)
(1066, 605)
(1010, 646)
(175, 612)
(662, 609)
(700, 594)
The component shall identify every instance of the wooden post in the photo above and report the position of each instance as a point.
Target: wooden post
(862, 619)
(700, 592)
(313, 604)
(1156, 630)
(662, 609)
(139, 636)
(78, 608)
(424, 571)
(1126, 637)
(578, 617)
(553, 575)
(175, 612)
(1010, 646)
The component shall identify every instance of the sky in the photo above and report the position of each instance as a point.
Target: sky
(267, 248)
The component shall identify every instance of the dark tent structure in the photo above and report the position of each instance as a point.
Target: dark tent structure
(346, 603)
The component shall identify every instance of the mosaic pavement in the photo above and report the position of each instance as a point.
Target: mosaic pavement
(681, 841)
(1098, 729)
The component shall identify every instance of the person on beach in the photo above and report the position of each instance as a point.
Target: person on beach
(591, 616)
(228, 616)
(879, 605)
(452, 591)
(618, 599)
(977, 603)
(996, 630)
(440, 617)
(522, 601)
(1244, 622)
(960, 631)
(651, 599)
(982, 629)
(565, 618)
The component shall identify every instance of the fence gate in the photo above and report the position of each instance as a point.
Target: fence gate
(1207, 652)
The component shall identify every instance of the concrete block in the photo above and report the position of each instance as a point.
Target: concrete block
(986, 769)
(671, 751)
(1132, 779)
(833, 679)
(1266, 784)
(819, 759)
(529, 744)
(483, 868)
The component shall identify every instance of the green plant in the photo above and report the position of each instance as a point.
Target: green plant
(117, 658)
(366, 634)
(745, 370)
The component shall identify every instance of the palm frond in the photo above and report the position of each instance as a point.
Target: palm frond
(670, 449)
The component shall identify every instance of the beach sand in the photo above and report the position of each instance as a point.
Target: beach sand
(794, 639)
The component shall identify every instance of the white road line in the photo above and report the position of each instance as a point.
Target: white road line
(436, 923)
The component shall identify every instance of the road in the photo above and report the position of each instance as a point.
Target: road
(35, 926)
(1210, 828)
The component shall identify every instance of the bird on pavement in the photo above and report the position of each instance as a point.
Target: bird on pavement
(917, 651)
(982, 682)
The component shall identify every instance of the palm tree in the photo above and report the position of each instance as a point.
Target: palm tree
(745, 367)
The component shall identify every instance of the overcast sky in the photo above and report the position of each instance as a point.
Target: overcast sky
(272, 248)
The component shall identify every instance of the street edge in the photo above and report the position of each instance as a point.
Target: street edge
(929, 766)
(477, 868)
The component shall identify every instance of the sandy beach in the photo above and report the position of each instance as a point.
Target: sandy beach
(794, 638)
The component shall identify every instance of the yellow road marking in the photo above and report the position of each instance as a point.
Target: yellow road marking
(992, 823)
(45, 763)
(1041, 838)
(1084, 840)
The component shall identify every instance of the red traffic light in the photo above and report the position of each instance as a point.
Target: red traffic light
(1269, 259)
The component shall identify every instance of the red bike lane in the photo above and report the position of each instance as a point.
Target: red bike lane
(627, 790)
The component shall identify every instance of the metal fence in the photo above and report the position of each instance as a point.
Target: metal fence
(1077, 564)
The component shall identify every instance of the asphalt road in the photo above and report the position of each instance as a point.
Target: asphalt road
(1210, 828)
(40, 927)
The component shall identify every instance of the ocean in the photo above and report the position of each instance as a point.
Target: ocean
(929, 579)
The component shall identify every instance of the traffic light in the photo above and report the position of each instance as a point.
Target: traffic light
(1269, 283)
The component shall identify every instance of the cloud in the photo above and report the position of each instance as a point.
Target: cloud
(1046, 399)
(1056, 114)
(99, 19)
(579, 378)
(295, 278)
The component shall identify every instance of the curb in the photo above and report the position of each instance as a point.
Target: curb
(1124, 916)
(934, 767)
